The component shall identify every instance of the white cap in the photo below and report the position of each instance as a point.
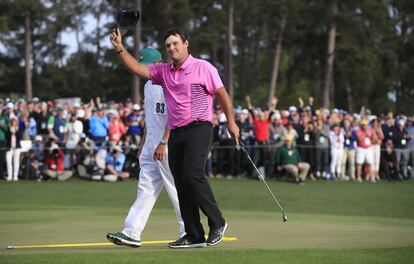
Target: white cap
(117, 148)
(38, 138)
(238, 110)
(54, 146)
(80, 113)
(136, 107)
(77, 104)
(293, 109)
(276, 116)
(10, 105)
(112, 111)
(371, 117)
(133, 146)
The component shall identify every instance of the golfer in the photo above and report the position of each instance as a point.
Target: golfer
(153, 160)
(189, 86)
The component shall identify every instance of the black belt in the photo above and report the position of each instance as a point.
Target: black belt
(193, 124)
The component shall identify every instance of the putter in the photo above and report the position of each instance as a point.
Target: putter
(127, 19)
(243, 147)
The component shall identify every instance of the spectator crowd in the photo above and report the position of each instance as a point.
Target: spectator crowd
(44, 140)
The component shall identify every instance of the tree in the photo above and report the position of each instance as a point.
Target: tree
(229, 60)
(27, 57)
(403, 85)
(19, 15)
(276, 59)
(330, 57)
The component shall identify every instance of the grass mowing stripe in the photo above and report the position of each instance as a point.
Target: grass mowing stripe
(385, 199)
(79, 245)
(215, 255)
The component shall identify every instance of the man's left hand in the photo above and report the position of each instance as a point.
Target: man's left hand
(160, 152)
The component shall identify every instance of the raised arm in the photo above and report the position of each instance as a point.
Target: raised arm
(127, 59)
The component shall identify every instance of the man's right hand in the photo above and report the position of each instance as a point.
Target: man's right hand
(116, 39)
(234, 131)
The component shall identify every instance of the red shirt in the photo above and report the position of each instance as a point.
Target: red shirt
(261, 129)
(116, 130)
(365, 137)
(55, 163)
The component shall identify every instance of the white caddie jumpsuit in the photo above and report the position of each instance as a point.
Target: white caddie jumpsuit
(154, 174)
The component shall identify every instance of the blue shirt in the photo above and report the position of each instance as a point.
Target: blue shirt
(98, 127)
(351, 142)
(32, 128)
(134, 128)
(118, 163)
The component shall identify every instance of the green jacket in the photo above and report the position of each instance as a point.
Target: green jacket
(4, 124)
(287, 156)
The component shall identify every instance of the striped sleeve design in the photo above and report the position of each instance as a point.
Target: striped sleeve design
(199, 103)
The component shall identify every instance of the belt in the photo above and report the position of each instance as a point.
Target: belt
(192, 124)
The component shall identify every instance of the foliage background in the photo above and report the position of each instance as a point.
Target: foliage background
(374, 52)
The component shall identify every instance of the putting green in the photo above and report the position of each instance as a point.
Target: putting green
(373, 222)
(253, 230)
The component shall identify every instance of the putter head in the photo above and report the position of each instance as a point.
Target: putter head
(284, 218)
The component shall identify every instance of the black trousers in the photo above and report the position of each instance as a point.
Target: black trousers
(188, 148)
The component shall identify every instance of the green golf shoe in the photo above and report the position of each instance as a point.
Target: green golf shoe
(118, 238)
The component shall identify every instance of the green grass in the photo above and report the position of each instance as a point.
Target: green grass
(328, 223)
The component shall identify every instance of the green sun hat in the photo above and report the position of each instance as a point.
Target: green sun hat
(149, 56)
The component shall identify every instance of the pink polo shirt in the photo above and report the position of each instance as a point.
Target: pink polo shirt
(188, 91)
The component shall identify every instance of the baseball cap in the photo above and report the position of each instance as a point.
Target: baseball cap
(149, 56)
(54, 147)
(401, 122)
(136, 107)
(80, 113)
(288, 137)
(116, 148)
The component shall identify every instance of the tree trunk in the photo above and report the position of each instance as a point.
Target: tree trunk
(254, 71)
(98, 35)
(27, 58)
(349, 97)
(230, 32)
(167, 16)
(77, 35)
(276, 59)
(136, 82)
(328, 80)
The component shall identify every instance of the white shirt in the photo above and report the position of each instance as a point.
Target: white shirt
(337, 141)
(155, 112)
